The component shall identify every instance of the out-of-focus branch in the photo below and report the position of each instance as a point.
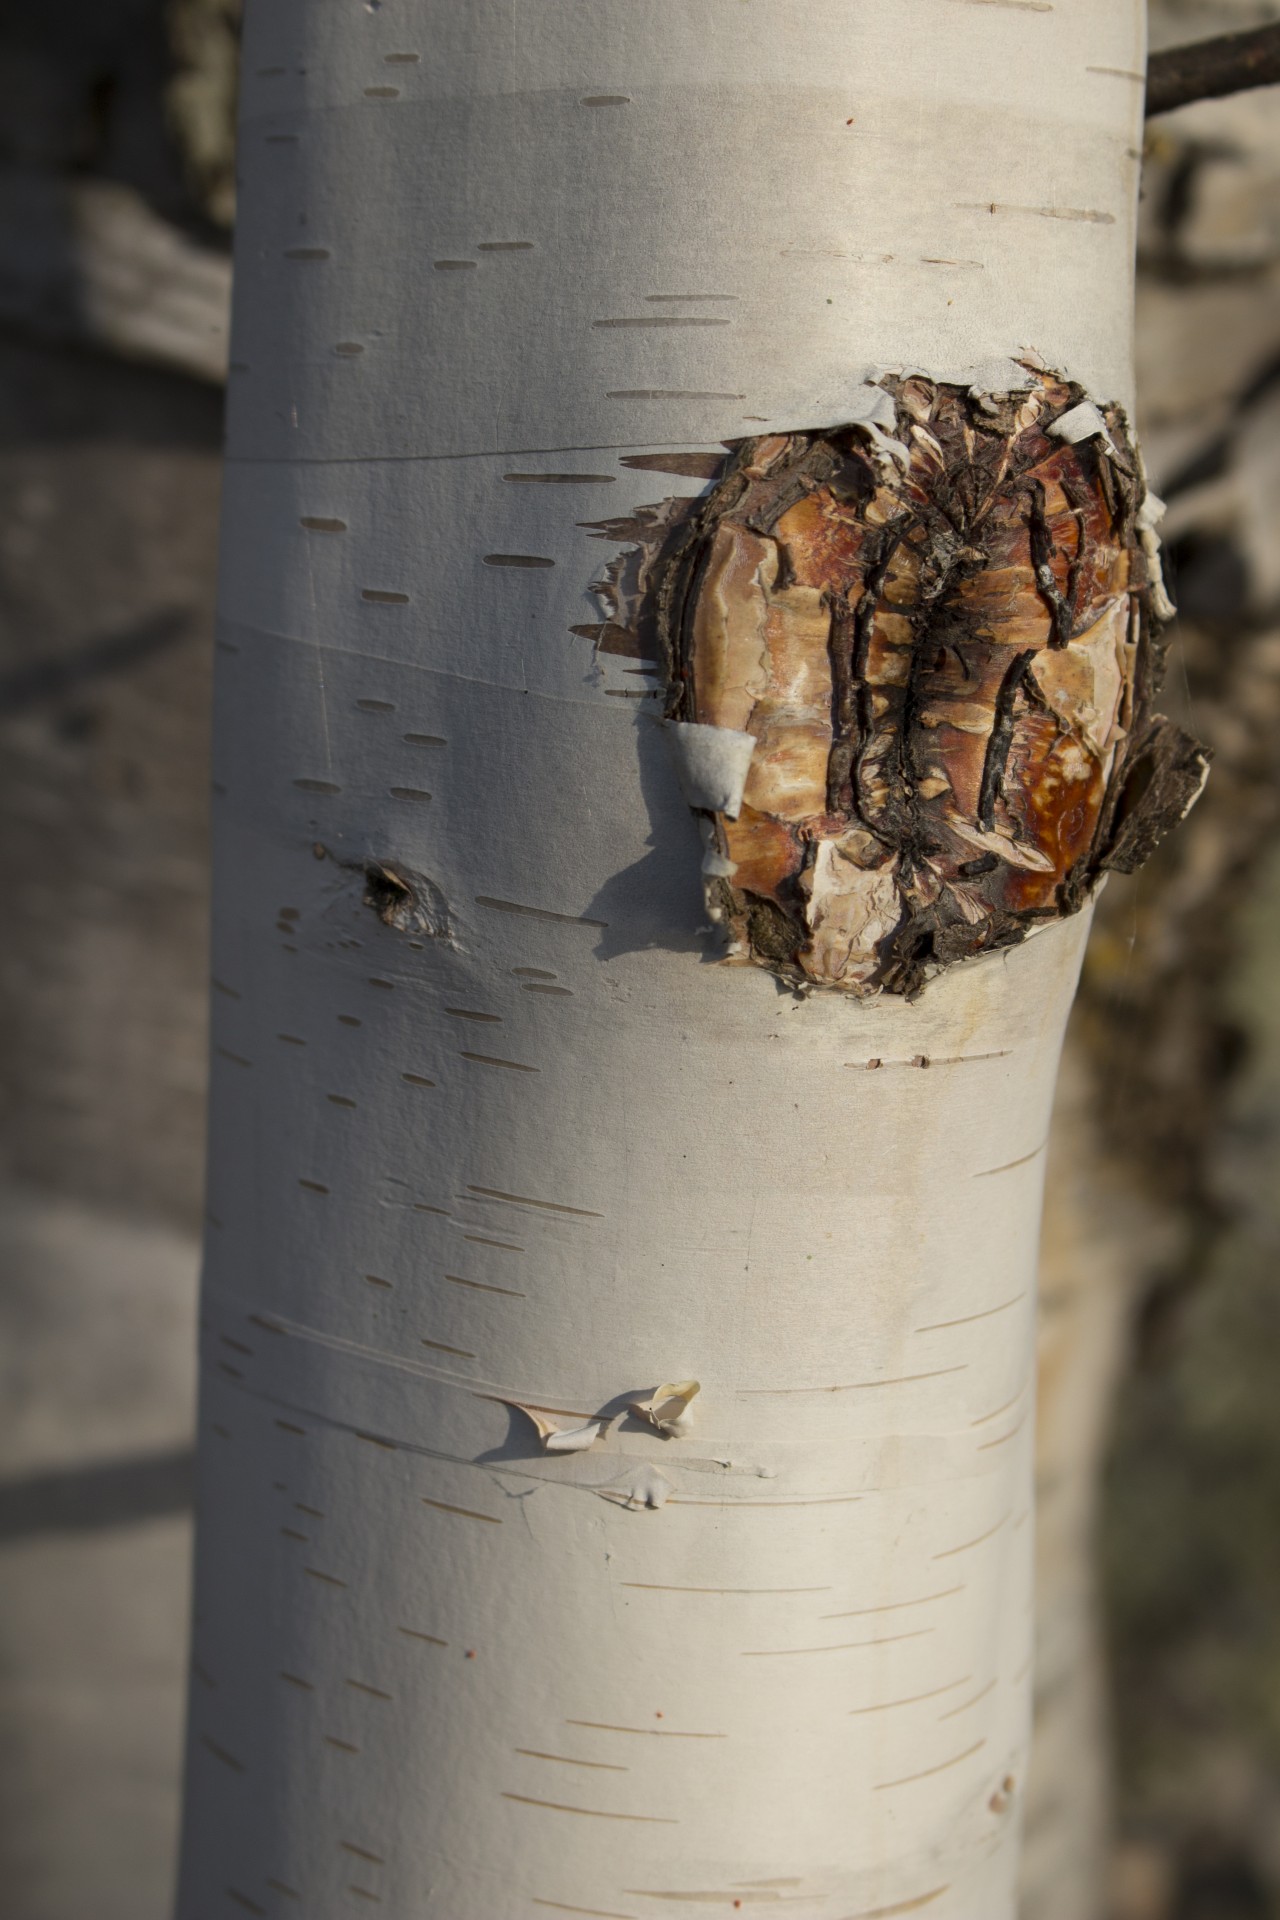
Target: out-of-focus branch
(88, 260)
(1208, 69)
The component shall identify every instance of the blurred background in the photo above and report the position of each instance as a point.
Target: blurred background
(1160, 1418)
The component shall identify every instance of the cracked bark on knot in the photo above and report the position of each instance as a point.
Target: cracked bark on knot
(941, 630)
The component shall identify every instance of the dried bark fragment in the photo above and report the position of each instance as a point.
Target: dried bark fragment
(669, 1409)
(554, 1436)
(940, 625)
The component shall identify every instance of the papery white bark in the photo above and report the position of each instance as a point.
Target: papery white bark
(496, 263)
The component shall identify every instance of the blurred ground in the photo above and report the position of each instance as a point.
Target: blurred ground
(108, 501)
(1191, 1537)
(1181, 1013)
(108, 514)
(97, 1329)
(109, 477)
(108, 506)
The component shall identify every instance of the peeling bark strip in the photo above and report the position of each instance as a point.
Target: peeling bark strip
(940, 627)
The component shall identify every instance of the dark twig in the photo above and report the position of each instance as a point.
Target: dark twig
(1208, 69)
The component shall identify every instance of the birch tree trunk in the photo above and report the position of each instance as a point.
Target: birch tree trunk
(505, 275)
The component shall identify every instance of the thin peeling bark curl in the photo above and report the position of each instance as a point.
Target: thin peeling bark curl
(939, 626)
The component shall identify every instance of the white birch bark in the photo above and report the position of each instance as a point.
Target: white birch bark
(488, 255)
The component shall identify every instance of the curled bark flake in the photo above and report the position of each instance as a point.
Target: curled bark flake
(669, 1409)
(628, 584)
(554, 1436)
(642, 1488)
(939, 625)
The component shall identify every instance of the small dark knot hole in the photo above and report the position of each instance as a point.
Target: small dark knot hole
(391, 897)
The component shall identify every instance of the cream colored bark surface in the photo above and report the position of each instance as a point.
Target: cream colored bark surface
(532, 1145)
